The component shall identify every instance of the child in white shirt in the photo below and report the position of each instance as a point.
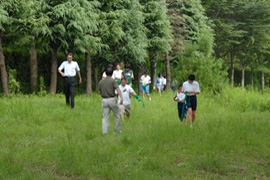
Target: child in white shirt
(181, 105)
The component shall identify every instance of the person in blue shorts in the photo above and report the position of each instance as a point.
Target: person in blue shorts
(191, 88)
(145, 85)
(181, 105)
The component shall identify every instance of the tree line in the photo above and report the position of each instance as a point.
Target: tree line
(176, 37)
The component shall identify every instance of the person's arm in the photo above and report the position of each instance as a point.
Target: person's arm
(120, 94)
(80, 78)
(132, 92)
(132, 76)
(61, 73)
(60, 70)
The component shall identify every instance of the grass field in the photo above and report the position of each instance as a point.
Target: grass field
(41, 138)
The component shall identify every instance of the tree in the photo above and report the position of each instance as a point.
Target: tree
(32, 26)
(158, 30)
(5, 20)
(177, 26)
(68, 29)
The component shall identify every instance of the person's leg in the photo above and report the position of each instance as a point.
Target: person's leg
(66, 90)
(115, 109)
(179, 110)
(106, 115)
(159, 90)
(193, 116)
(194, 107)
(148, 91)
(72, 91)
(122, 111)
(128, 110)
(190, 116)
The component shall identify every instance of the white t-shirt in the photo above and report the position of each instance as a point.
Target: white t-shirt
(126, 91)
(104, 75)
(165, 81)
(194, 86)
(69, 68)
(145, 80)
(180, 96)
(117, 74)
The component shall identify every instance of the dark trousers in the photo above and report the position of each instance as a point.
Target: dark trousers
(69, 88)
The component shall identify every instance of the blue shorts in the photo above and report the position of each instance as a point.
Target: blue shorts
(146, 89)
(192, 102)
(181, 112)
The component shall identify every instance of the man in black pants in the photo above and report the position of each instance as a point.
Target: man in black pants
(70, 67)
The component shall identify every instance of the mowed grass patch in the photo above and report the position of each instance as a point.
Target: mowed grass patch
(42, 138)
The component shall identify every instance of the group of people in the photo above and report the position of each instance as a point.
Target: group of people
(119, 83)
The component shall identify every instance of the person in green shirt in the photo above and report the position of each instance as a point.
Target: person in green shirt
(128, 74)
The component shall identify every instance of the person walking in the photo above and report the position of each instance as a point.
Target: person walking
(191, 88)
(118, 74)
(128, 74)
(126, 91)
(145, 85)
(165, 83)
(159, 83)
(174, 84)
(70, 67)
(106, 89)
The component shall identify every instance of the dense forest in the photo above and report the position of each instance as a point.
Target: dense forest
(220, 41)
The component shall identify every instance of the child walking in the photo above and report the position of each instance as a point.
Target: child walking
(181, 105)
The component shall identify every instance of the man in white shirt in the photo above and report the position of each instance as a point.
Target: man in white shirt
(191, 88)
(70, 67)
(117, 74)
(145, 85)
(126, 91)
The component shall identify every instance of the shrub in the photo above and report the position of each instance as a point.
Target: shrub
(14, 85)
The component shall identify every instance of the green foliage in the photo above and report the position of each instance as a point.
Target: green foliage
(122, 31)
(13, 84)
(197, 23)
(243, 100)
(158, 26)
(209, 71)
(42, 87)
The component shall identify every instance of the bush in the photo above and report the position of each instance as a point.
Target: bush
(14, 85)
(243, 100)
(42, 87)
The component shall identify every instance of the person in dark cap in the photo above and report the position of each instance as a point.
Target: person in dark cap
(128, 74)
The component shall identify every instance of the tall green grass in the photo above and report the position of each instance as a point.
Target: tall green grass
(42, 138)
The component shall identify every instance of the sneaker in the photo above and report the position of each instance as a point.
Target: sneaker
(150, 99)
(191, 126)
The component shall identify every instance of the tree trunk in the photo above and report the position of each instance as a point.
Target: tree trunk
(168, 71)
(153, 68)
(243, 68)
(88, 74)
(53, 68)
(252, 77)
(96, 79)
(232, 69)
(4, 78)
(33, 67)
